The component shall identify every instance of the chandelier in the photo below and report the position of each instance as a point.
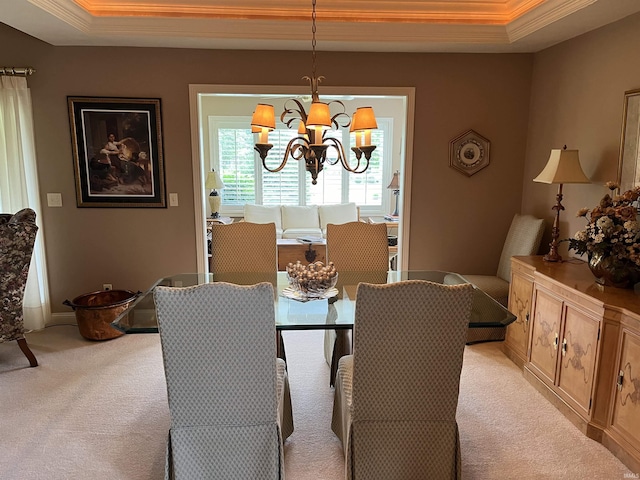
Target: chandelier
(312, 142)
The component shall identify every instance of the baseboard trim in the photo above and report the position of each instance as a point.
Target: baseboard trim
(62, 319)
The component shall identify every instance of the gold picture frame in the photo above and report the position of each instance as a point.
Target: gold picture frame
(629, 162)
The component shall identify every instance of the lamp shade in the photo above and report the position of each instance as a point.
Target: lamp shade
(264, 117)
(563, 167)
(213, 181)
(319, 116)
(353, 122)
(364, 119)
(395, 183)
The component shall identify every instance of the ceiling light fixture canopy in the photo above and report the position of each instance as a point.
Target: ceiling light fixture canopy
(311, 144)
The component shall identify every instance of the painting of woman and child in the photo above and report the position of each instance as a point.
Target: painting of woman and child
(117, 145)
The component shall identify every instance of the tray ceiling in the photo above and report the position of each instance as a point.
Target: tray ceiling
(347, 25)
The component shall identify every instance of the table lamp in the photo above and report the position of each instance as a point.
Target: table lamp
(212, 182)
(395, 186)
(563, 167)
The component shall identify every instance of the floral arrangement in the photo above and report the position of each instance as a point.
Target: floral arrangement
(613, 229)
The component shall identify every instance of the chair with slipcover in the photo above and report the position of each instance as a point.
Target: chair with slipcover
(229, 399)
(17, 238)
(396, 396)
(246, 253)
(360, 253)
(523, 238)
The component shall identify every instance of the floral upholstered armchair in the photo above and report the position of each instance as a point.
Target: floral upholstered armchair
(17, 237)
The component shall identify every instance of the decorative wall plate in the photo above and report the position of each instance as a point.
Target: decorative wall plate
(469, 152)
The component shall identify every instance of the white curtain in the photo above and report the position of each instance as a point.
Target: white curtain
(19, 188)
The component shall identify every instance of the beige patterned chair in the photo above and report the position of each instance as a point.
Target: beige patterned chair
(360, 252)
(228, 395)
(244, 253)
(523, 238)
(17, 238)
(395, 398)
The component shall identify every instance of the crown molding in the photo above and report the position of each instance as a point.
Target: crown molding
(386, 25)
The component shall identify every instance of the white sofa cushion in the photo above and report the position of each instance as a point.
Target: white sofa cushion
(264, 214)
(337, 214)
(300, 217)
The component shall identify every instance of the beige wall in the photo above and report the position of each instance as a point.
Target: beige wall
(457, 223)
(577, 100)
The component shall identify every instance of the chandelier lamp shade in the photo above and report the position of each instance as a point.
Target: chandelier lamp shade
(214, 182)
(562, 167)
(312, 142)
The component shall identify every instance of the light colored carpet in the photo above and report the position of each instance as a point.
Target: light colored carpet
(98, 410)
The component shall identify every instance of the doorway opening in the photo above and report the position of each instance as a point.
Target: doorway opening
(215, 109)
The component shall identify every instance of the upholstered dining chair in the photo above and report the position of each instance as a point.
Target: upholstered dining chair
(396, 396)
(17, 238)
(246, 253)
(243, 247)
(228, 394)
(523, 238)
(360, 252)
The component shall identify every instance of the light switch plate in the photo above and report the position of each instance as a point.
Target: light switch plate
(173, 199)
(54, 199)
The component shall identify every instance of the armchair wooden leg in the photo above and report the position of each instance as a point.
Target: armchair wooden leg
(22, 343)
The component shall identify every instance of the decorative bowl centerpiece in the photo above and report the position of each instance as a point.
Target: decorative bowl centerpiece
(314, 280)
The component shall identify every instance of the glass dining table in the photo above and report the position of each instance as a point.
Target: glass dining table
(293, 313)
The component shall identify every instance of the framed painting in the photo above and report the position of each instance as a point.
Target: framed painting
(629, 163)
(117, 151)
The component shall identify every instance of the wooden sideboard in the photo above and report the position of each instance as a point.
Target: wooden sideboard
(578, 343)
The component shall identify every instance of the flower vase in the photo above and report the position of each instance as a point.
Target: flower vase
(612, 272)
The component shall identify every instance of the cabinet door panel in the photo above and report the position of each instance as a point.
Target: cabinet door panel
(578, 357)
(545, 335)
(626, 406)
(517, 335)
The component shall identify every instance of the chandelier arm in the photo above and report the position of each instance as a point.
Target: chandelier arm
(360, 166)
(291, 111)
(297, 150)
(290, 150)
(273, 170)
(340, 115)
(337, 146)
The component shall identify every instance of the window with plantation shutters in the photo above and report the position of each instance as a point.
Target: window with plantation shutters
(246, 181)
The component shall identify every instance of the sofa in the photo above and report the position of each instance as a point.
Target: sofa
(294, 221)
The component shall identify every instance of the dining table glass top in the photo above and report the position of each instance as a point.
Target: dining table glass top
(294, 313)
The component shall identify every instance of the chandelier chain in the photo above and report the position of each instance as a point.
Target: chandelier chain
(313, 39)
